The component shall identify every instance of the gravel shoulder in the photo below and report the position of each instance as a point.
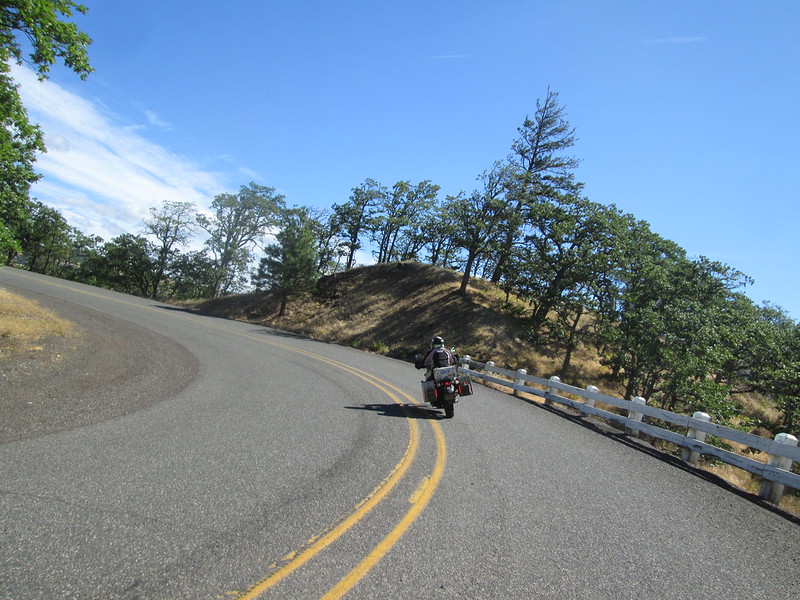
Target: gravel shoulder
(106, 369)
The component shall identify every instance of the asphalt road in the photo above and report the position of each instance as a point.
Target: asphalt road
(244, 462)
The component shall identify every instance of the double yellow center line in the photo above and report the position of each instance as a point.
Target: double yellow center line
(418, 500)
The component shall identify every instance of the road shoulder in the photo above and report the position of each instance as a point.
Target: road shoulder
(109, 368)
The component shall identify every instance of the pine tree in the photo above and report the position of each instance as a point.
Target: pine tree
(290, 266)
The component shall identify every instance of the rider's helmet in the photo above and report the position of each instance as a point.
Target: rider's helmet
(437, 342)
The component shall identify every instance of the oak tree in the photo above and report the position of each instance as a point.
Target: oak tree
(238, 223)
(172, 225)
(353, 218)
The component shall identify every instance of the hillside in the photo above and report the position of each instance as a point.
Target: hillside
(396, 308)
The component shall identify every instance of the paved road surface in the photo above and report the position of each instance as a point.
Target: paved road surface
(261, 464)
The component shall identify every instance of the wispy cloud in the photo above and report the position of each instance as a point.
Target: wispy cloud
(696, 39)
(154, 119)
(101, 174)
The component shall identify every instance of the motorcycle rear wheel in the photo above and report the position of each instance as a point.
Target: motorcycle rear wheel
(449, 407)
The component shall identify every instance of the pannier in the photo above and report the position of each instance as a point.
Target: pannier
(428, 391)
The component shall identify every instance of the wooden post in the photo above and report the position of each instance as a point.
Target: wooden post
(772, 490)
(691, 456)
(551, 390)
(635, 416)
(519, 381)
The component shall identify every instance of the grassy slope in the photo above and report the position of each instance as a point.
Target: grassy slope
(396, 308)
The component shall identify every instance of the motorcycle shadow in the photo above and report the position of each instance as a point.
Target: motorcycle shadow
(408, 411)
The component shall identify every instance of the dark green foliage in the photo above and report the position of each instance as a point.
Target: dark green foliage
(538, 169)
(20, 142)
(38, 26)
(45, 238)
(189, 276)
(479, 221)
(352, 219)
(290, 266)
(777, 373)
(400, 216)
(125, 264)
(48, 36)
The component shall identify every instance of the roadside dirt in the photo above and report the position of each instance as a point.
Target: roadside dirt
(107, 369)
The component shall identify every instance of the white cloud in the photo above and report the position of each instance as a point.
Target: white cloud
(250, 174)
(102, 175)
(154, 119)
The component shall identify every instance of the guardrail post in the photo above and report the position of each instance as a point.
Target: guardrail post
(592, 389)
(519, 381)
(692, 456)
(551, 390)
(635, 416)
(465, 361)
(772, 490)
(488, 368)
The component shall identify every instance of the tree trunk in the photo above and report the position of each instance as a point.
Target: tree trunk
(466, 277)
(571, 345)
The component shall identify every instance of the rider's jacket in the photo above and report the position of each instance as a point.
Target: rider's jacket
(439, 357)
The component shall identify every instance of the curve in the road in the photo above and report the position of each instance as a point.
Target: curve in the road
(418, 502)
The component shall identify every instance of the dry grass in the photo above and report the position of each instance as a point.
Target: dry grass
(758, 408)
(397, 308)
(751, 483)
(24, 325)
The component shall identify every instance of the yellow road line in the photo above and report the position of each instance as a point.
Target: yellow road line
(336, 532)
(419, 499)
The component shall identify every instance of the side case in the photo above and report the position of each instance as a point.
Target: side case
(428, 391)
(464, 386)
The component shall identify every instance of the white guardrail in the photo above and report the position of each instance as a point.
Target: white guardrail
(782, 451)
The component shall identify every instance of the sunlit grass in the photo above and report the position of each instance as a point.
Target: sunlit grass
(24, 324)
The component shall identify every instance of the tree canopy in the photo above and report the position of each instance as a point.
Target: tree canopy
(289, 267)
(238, 223)
(42, 27)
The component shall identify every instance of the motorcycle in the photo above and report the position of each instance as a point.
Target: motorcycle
(444, 389)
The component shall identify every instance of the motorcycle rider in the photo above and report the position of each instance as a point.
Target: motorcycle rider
(437, 356)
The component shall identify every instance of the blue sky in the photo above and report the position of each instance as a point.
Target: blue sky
(686, 113)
